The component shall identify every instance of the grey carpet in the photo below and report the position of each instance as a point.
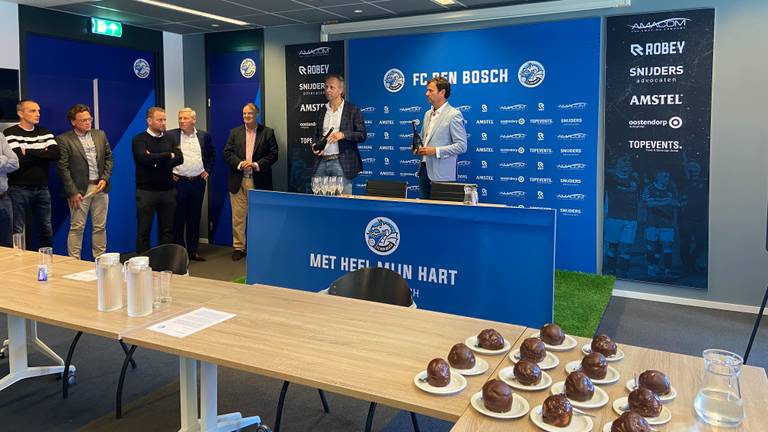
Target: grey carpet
(151, 393)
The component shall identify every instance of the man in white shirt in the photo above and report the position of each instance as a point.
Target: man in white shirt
(190, 180)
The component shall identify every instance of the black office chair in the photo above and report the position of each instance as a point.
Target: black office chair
(445, 191)
(376, 284)
(386, 188)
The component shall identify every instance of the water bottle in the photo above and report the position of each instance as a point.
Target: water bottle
(719, 401)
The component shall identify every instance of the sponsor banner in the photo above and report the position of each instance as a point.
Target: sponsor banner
(306, 67)
(518, 245)
(658, 105)
(531, 114)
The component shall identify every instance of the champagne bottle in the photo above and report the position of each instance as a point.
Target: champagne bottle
(320, 145)
(416, 143)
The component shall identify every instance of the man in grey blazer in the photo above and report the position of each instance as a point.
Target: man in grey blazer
(444, 137)
(84, 168)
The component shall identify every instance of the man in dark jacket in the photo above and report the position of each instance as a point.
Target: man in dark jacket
(250, 152)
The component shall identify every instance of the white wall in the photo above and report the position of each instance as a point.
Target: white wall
(173, 69)
(9, 40)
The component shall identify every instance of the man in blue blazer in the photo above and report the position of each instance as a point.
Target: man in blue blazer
(190, 180)
(444, 138)
(341, 156)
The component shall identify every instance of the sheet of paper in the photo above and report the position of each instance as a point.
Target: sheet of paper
(83, 276)
(190, 323)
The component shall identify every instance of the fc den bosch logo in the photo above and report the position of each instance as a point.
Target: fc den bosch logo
(382, 236)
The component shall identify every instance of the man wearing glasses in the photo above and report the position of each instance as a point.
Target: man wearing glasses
(84, 168)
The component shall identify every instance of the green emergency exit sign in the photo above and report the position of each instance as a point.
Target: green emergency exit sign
(106, 27)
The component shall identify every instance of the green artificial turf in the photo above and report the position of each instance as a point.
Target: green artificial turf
(580, 300)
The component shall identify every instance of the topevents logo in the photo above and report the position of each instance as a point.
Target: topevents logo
(663, 25)
(316, 52)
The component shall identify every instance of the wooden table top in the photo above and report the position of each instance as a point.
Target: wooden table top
(685, 374)
(72, 304)
(366, 350)
(10, 261)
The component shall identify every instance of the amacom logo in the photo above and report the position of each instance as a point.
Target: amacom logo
(573, 136)
(515, 107)
(411, 109)
(663, 25)
(513, 194)
(317, 52)
(572, 197)
(572, 167)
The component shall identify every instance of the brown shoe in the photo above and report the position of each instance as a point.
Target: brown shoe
(237, 255)
(195, 256)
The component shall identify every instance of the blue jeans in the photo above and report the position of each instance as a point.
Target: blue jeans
(425, 185)
(36, 200)
(332, 168)
(6, 221)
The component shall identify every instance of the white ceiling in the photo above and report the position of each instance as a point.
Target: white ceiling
(257, 13)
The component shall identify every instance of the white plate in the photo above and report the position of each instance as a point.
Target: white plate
(665, 398)
(599, 398)
(519, 407)
(664, 417)
(579, 423)
(607, 426)
(471, 342)
(457, 384)
(508, 376)
(480, 367)
(568, 344)
(610, 377)
(587, 349)
(550, 361)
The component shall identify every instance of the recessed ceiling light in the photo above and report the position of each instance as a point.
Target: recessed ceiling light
(193, 12)
(358, 11)
(215, 25)
(445, 2)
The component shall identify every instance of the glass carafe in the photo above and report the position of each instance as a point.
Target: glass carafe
(109, 282)
(470, 195)
(719, 401)
(140, 296)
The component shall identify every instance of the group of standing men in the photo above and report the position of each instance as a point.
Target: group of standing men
(172, 167)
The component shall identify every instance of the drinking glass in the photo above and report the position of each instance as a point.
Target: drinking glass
(316, 181)
(46, 258)
(19, 244)
(165, 286)
(339, 185)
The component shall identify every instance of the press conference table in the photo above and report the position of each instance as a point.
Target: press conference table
(685, 374)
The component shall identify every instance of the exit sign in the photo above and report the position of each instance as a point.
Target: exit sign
(106, 27)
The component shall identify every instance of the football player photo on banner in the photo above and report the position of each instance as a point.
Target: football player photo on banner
(306, 67)
(529, 96)
(657, 133)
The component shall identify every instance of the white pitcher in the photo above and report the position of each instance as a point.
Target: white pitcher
(139, 276)
(109, 282)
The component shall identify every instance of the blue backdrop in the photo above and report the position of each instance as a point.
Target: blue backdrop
(229, 89)
(60, 73)
(529, 95)
(494, 263)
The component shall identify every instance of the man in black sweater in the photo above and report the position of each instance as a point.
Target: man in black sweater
(155, 156)
(28, 186)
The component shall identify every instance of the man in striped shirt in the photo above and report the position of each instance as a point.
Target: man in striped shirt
(35, 147)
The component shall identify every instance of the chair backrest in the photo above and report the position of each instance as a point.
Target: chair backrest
(168, 257)
(444, 191)
(374, 284)
(387, 188)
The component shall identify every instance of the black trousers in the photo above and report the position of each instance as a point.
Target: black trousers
(147, 204)
(186, 222)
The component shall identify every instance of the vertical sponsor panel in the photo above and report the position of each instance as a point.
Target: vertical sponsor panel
(657, 134)
(529, 97)
(306, 67)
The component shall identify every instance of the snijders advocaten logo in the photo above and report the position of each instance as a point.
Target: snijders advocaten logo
(394, 80)
(247, 68)
(382, 235)
(531, 74)
(141, 68)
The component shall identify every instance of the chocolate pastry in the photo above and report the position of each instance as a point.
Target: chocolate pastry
(490, 339)
(630, 422)
(497, 396)
(438, 373)
(579, 387)
(595, 365)
(532, 349)
(527, 373)
(557, 411)
(551, 334)
(604, 345)
(644, 402)
(461, 357)
(655, 381)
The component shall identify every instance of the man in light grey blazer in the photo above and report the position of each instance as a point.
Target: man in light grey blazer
(85, 167)
(443, 135)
